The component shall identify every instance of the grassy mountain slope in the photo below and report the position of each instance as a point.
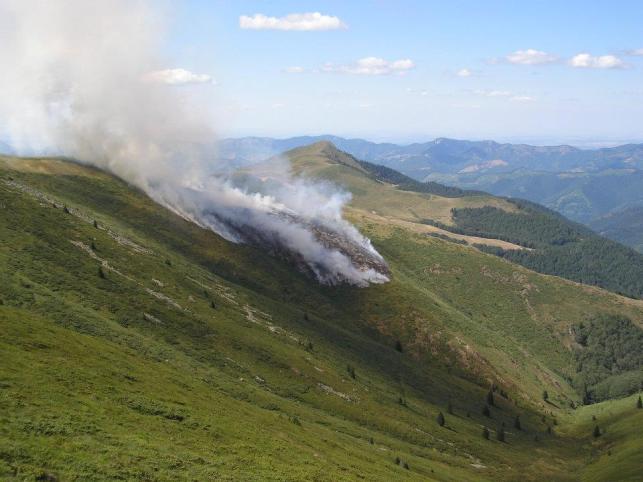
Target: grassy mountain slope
(556, 245)
(145, 347)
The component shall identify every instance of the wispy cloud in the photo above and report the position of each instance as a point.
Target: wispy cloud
(506, 94)
(372, 66)
(522, 98)
(295, 69)
(588, 61)
(303, 22)
(530, 57)
(493, 93)
(635, 52)
(464, 73)
(423, 93)
(178, 77)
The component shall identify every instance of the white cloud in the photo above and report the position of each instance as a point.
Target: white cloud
(530, 57)
(295, 21)
(588, 61)
(372, 66)
(635, 52)
(464, 73)
(505, 94)
(493, 93)
(294, 70)
(522, 98)
(178, 77)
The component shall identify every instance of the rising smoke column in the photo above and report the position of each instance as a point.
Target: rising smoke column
(76, 81)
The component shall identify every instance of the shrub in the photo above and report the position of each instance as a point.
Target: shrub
(440, 419)
(597, 431)
(517, 423)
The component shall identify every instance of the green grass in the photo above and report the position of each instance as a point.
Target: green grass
(136, 376)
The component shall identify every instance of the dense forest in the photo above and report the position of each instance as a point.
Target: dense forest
(609, 359)
(557, 246)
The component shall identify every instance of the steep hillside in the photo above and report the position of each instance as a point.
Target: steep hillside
(517, 230)
(624, 225)
(136, 345)
(580, 196)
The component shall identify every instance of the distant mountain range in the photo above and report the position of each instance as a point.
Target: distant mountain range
(588, 186)
(450, 155)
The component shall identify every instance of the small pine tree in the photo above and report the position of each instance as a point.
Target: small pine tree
(66, 210)
(212, 305)
(490, 400)
(450, 408)
(597, 432)
(168, 262)
(500, 434)
(485, 433)
(309, 346)
(406, 466)
(95, 224)
(93, 246)
(371, 441)
(101, 273)
(639, 403)
(440, 419)
(593, 418)
(398, 346)
(398, 461)
(351, 371)
(517, 425)
(545, 395)
(485, 411)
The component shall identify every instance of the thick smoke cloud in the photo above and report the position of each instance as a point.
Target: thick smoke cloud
(75, 81)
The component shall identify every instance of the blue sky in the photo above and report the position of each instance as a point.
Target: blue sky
(521, 71)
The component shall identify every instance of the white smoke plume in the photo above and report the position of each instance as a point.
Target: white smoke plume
(75, 81)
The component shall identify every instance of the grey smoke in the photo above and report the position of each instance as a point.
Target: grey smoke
(76, 81)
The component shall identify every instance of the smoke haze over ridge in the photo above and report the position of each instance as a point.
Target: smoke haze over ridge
(76, 82)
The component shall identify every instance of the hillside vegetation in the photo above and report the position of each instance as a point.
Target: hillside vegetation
(136, 345)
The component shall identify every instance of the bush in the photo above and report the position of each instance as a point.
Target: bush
(597, 432)
(517, 425)
(440, 419)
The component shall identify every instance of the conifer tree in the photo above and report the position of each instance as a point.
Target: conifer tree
(440, 419)
(490, 398)
(485, 433)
